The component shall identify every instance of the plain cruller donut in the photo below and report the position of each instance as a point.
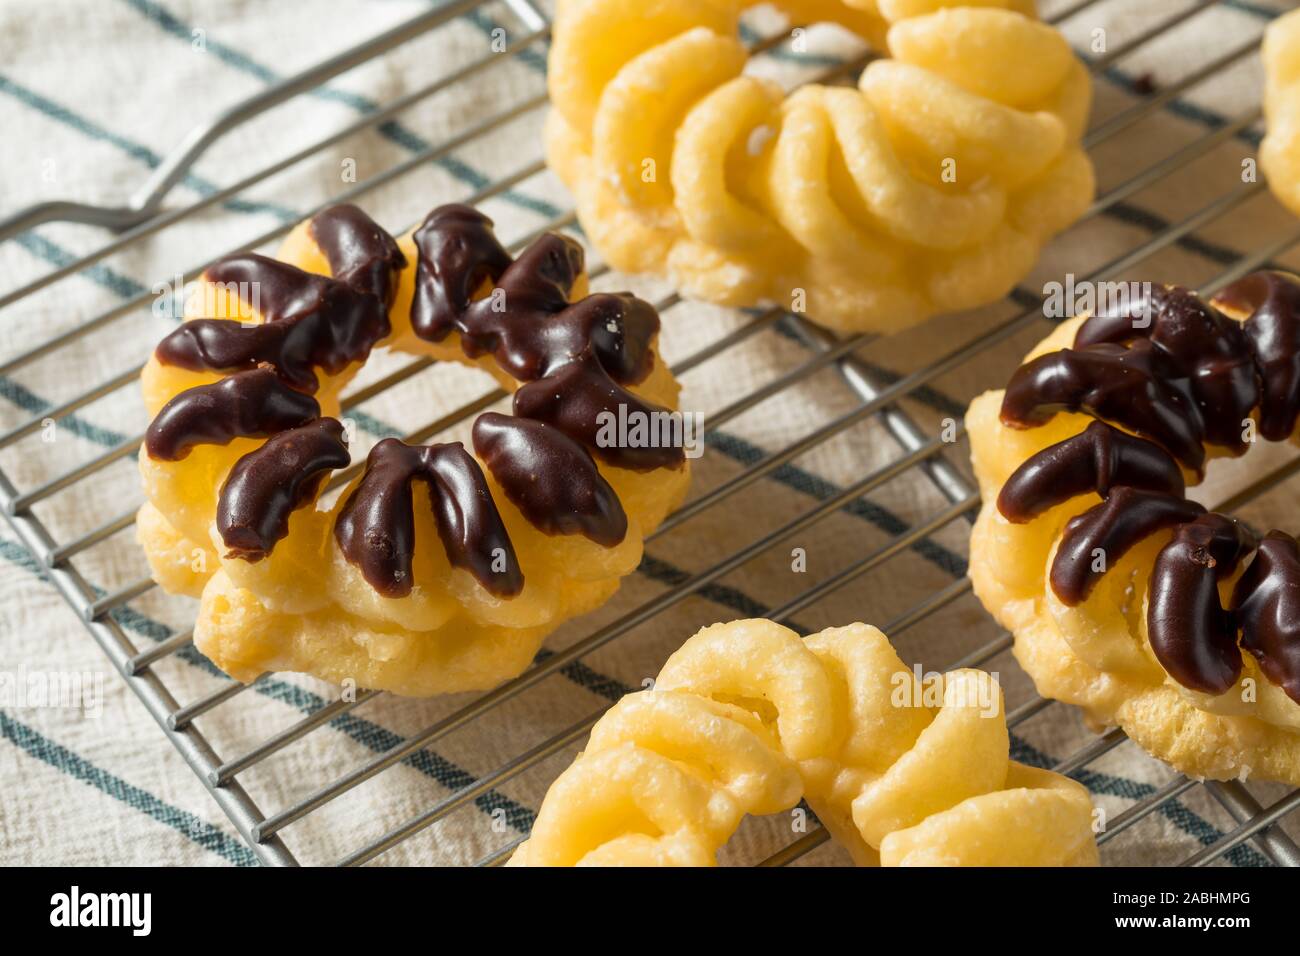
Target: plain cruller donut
(1279, 151)
(930, 188)
(1180, 625)
(749, 718)
(437, 569)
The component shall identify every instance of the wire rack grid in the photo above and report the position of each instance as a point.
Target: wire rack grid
(878, 397)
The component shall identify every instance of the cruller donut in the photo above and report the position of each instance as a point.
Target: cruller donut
(1279, 151)
(437, 569)
(747, 717)
(1180, 625)
(929, 188)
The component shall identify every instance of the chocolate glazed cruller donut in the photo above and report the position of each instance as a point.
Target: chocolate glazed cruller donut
(436, 570)
(929, 188)
(1181, 626)
(747, 717)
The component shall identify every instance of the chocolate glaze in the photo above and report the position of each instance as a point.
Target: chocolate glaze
(1272, 301)
(550, 478)
(1114, 526)
(376, 527)
(360, 252)
(1123, 324)
(1207, 350)
(269, 483)
(1134, 386)
(1266, 602)
(1190, 364)
(573, 400)
(575, 357)
(1193, 637)
(1190, 376)
(252, 404)
(311, 322)
(1097, 459)
(458, 253)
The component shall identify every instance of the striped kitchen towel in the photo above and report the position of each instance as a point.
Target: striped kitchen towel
(94, 94)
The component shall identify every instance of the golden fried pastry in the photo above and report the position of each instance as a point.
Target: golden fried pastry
(1279, 152)
(437, 569)
(1179, 625)
(747, 717)
(930, 188)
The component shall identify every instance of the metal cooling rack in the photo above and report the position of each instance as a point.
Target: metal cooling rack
(143, 215)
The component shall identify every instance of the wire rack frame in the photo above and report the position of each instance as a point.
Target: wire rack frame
(143, 215)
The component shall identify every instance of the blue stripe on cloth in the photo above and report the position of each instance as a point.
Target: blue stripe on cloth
(368, 734)
(925, 394)
(1150, 222)
(1253, 9)
(29, 401)
(42, 748)
(527, 55)
(392, 130)
(167, 21)
(731, 598)
(737, 448)
(42, 248)
(1175, 811)
(1183, 109)
(137, 151)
